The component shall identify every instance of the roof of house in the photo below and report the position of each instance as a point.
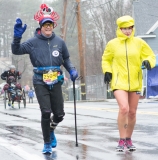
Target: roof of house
(152, 29)
(145, 13)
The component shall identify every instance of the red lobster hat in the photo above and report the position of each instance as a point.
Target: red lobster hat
(46, 13)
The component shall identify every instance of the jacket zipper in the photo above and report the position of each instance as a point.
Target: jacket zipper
(50, 53)
(116, 79)
(138, 78)
(127, 64)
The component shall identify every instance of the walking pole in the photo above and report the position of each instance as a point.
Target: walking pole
(75, 112)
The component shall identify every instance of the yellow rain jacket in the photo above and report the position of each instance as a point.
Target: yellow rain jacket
(123, 57)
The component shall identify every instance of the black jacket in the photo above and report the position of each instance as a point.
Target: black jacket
(6, 74)
(43, 52)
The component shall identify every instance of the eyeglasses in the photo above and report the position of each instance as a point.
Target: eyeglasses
(45, 25)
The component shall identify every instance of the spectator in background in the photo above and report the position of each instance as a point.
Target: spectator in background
(31, 95)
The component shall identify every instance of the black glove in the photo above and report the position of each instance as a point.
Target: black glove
(146, 64)
(107, 77)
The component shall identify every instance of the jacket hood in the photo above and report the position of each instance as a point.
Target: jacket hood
(40, 36)
(122, 36)
(123, 22)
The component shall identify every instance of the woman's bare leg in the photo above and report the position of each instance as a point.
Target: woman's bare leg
(122, 100)
(133, 99)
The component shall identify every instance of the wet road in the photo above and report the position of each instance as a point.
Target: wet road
(21, 137)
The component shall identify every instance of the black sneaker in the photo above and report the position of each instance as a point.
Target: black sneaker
(121, 145)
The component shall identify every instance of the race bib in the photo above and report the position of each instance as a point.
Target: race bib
(50, 77)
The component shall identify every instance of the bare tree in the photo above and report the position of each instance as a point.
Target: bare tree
(102, 16)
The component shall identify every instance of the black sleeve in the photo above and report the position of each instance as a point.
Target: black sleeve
(66, 58)
(4, 75)
(20, 48)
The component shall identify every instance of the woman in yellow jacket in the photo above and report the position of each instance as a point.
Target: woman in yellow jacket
(121, 64)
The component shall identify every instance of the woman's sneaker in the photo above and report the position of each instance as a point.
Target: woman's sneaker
(47, 148)
(53, 140)
(121, 145)
(129, 145)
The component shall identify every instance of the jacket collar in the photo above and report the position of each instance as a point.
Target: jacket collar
(40, 36)
(122, 36)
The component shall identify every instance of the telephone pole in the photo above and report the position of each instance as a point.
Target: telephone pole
(64, 23)
(81, 53)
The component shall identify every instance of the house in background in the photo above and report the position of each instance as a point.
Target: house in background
(145, 13)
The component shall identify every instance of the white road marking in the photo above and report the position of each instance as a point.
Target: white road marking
(111, 110)
(3, 131)
(19, 151)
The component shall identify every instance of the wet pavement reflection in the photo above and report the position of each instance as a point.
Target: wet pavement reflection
(96, 128)
(52, 156)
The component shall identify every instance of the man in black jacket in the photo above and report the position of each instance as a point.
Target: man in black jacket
(47, 53)
(12, 72)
